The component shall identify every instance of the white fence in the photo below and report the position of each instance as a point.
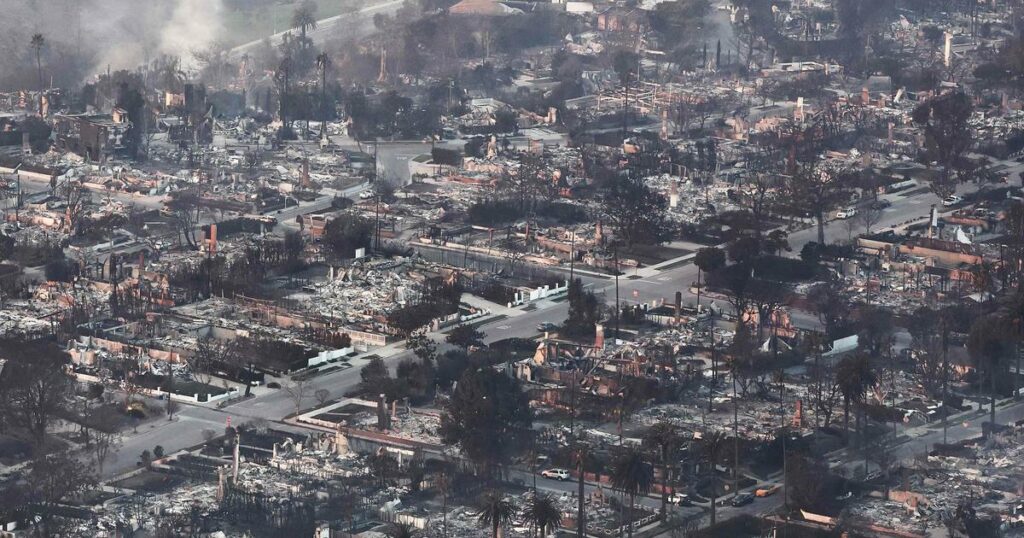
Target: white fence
(536, 294)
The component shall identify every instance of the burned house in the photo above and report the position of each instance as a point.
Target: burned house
(92, 137)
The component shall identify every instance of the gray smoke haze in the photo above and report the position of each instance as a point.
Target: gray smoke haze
(140, 30)
(85, 36)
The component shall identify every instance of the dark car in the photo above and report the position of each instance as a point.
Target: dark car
(880, 204)
(743, 499)
(547, 327)
(273, 385)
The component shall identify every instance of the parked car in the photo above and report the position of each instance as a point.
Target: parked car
(680, 499)
(743, 499)
(879, 205)
(547, 327)
(847, 213)
(767, 491)
(952, 200)
(555, 474)
(273, 385)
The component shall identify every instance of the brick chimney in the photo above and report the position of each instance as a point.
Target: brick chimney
(679, 305)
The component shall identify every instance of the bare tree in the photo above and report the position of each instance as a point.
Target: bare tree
(297, 391)
(514, 250)
(104, 444)
(170, 406)
(76, 199)
(852, 224)
(817, 188)
(34, 389)
(869, 216)
(209, 353)
(760, 182)
(322, 395)
(185, 208)
(825, 393)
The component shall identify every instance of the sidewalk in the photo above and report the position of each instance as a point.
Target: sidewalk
(495, 308)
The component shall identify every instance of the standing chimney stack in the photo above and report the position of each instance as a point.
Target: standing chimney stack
(382, 413)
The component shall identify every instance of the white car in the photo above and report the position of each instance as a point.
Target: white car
(680, 499)
(952, 200)
(556, 474)
(846, 213)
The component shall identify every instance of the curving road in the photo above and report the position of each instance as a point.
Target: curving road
(360, 23)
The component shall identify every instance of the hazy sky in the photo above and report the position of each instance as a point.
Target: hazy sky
(121, 33)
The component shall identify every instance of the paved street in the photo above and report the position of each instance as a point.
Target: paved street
(352, 25)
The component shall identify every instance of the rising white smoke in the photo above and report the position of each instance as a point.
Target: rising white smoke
(194, 25)
(144, 30)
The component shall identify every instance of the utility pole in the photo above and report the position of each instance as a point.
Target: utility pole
(945, 378)
(376, 226)
(735, 437)
(625, 109)
(572, 255)
(451, 87)
(714, 370)
(323, 60)
(581, 525)
(376, 142)
(572, 406)
(616, 252)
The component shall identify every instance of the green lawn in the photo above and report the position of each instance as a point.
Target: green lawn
(252, 25)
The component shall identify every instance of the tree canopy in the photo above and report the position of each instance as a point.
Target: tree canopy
(488, 418)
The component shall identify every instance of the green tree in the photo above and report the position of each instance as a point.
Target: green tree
(465, 336)
(854, 376)
(584, 310)
(637, 214)
(34, 390)
(709, 259)
(876, 328)
(947, 138)
(53, 478)
(496, 511)
(345, 234)
(990, 345)
(488, 417)
(632, 476)
(817, 189)
(375, 376)
(304, 18)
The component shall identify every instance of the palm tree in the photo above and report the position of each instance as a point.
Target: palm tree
(304, 18)
(323, 62)
(711, 447)
(401, 530)
(664, 437)
(854, 376)
(543, 514)
(632, 476)
(495, 511)
(37, 44)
